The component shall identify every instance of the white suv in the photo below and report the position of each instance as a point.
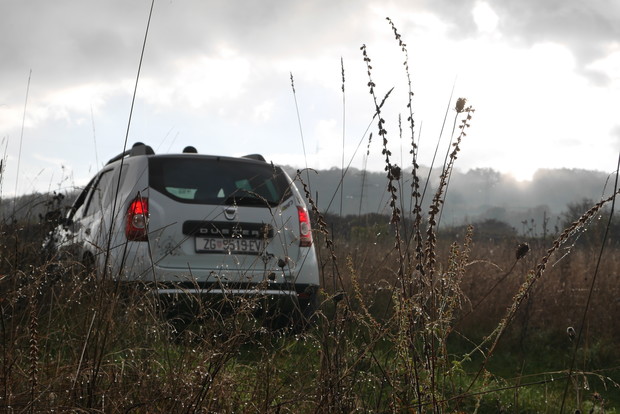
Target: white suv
(200, 225)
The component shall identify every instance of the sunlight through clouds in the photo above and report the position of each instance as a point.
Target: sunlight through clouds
(197, 81)
(484, 17)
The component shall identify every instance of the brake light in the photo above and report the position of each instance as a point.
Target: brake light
(305, 231)
(136, 221)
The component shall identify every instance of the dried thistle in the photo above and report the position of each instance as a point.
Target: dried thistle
(460, 105)
(522, 250)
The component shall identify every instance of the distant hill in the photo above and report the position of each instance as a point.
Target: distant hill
(473, 196)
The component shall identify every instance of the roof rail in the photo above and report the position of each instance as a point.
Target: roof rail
(141, 149)
(137, 149)
(257, 157)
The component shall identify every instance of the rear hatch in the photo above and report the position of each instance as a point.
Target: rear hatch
(219, 218)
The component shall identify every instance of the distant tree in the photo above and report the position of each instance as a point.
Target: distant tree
(487, 230)
(357, 225)
(494, 230)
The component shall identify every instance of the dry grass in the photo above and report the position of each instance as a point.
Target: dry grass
(74, 344)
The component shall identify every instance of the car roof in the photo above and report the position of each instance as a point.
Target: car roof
(140, 149)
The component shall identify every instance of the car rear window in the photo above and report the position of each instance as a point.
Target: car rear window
(218, 181)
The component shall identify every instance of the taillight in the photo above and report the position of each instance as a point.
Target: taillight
(305, 231)
(136, 220)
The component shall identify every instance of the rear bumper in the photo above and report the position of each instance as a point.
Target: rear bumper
(260, 300)
(224, 291)
(242, 289)
(169, 292)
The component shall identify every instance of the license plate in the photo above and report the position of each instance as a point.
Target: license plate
(219, 245)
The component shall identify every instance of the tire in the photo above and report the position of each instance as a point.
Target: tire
(88, 261)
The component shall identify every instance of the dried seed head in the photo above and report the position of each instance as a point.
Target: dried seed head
(522, 250)
(395, 172)
(460, 105)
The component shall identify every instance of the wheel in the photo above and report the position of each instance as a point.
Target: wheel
(88, 261)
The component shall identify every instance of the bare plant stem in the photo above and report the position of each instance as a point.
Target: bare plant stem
(344, 113)
(301, 132)
(34, 344)
(21, 140)
(577, 342)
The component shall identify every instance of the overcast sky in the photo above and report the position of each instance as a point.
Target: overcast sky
(543, 75)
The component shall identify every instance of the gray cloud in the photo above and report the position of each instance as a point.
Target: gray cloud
(65, 43)
(588, 28)
(270, 28)
(68, 42)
